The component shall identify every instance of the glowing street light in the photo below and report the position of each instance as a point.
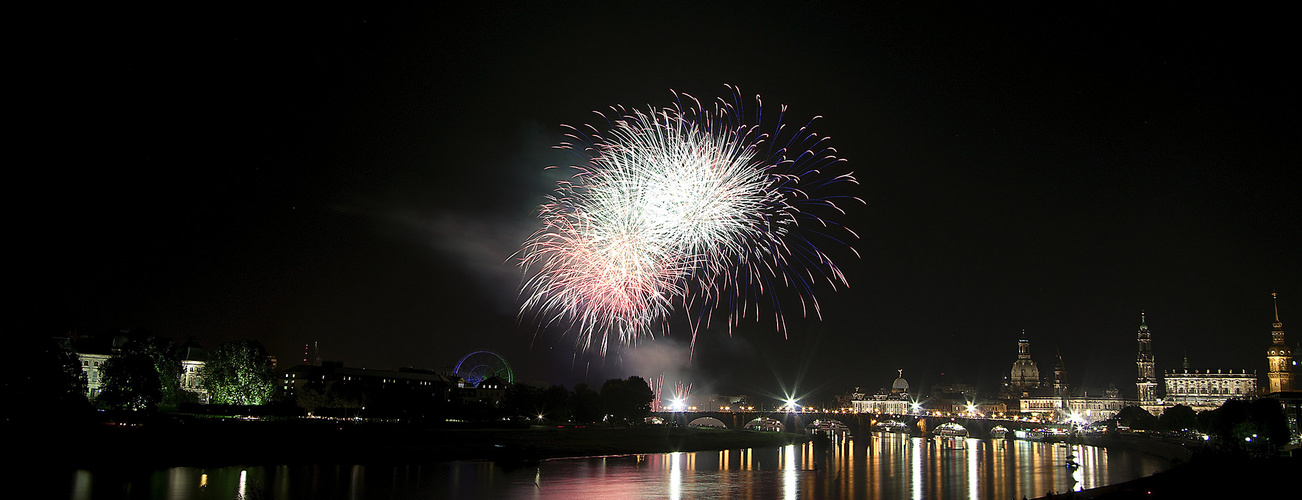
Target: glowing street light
(1076, 419)
(677, 404)
(791, 404)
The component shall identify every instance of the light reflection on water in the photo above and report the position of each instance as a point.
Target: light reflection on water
(884, 466)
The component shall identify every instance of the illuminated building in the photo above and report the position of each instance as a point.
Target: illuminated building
(896, 402)
(1025, 375)
(192, 363)
(1046, 407)
(1279, 358)
(1090, 409)
(91, 365)
(1146, 383)
(881, 405)
(95, 352)
(1204, 390)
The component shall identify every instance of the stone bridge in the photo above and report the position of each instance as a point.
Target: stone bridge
(859, 424)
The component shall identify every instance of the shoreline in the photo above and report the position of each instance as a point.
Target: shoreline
(1203, 477)
(1194, 473)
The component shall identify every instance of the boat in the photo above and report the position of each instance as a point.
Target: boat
(1029, 434)
(1071, 462)
(892, 426)
(951, 429)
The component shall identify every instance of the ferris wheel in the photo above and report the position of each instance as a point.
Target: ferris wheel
(480, 365)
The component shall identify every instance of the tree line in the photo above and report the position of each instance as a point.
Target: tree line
(1258, 425)
(621, 401)
(143, 374)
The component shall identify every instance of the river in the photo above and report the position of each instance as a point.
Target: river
(883, 466)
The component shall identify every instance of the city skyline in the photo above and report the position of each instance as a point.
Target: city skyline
(363, 178)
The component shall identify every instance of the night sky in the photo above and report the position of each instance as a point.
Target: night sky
(361, 178)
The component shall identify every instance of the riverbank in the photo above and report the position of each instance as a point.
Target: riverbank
(1197, 472)
(1205, 477)
(259, 443)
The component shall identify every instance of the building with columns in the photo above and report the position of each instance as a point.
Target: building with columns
(1204, 390)
(896, 402)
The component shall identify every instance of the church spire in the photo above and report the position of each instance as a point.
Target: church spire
(1277, 328)
(1274, 297)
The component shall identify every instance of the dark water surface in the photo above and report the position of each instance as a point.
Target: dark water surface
(883, 466)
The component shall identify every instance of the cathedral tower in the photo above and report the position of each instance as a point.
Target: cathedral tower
(1147, 379)
(1279, 358)
(1060, 378)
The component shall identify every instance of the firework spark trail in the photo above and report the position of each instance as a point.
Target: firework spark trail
(657, 386)
(682, 395)
(684, 205)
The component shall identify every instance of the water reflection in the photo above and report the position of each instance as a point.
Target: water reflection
(882, 466)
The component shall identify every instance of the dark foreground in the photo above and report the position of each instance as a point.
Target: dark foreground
(1208, 477)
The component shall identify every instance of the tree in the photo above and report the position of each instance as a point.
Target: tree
(1269, 416)
(628, 400)
(1178, 418)
(163, 353)
(130, 382)
(1137, 418)
(239, 373)
(42, 375)
(524, 400)
(1258, 426)
(318, 395)
(587, 404)
(558, 404)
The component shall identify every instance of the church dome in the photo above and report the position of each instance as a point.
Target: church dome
(900, 385)
(1024, 373)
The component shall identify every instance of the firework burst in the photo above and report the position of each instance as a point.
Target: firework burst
(686, 206)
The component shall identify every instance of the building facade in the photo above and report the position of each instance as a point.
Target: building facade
(895, 402)
(91, 364)
(1205, 390)
(1093, 409)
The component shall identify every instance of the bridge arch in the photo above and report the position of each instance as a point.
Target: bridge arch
(710, 422)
